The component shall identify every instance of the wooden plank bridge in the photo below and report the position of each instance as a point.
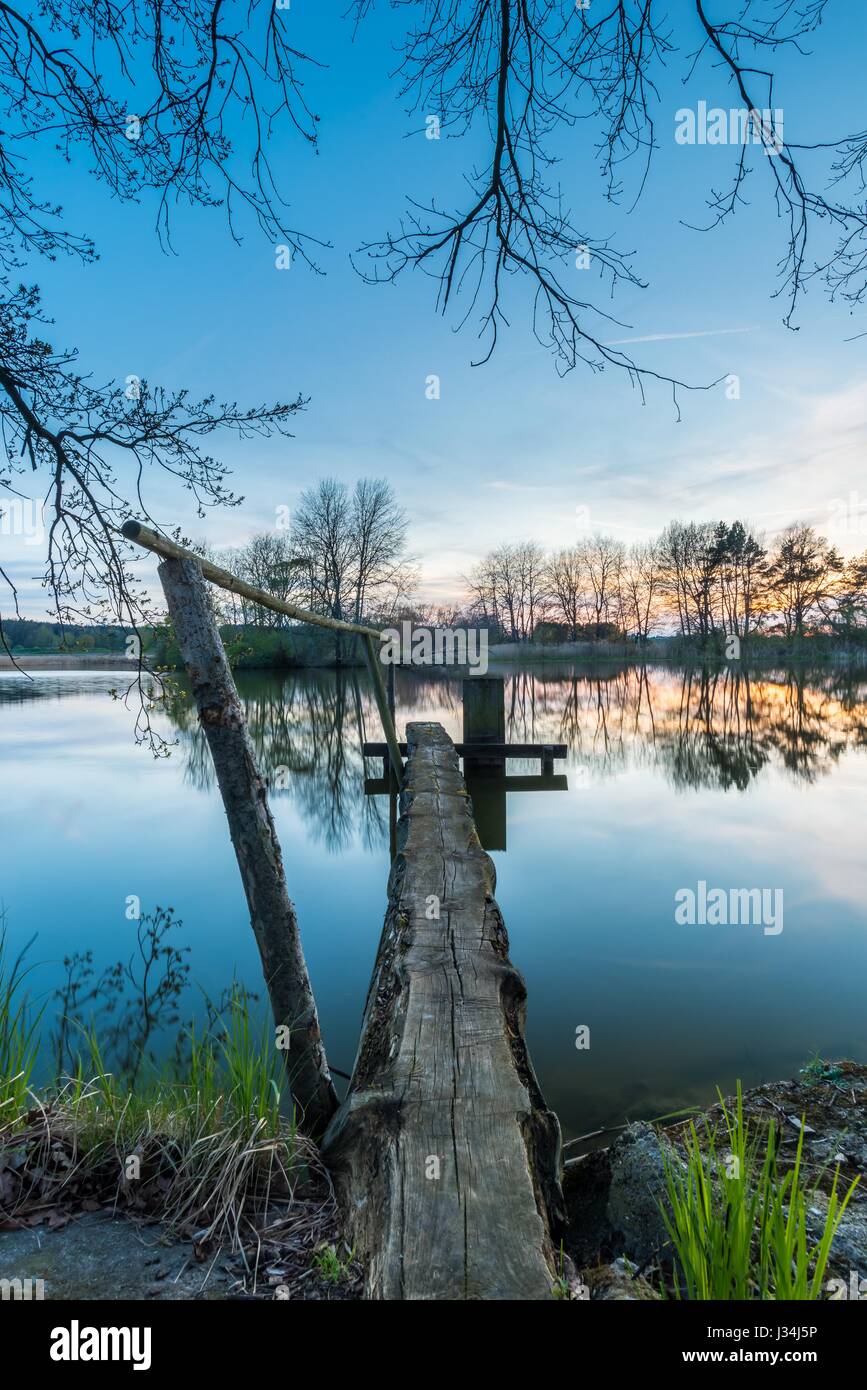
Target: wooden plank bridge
(444, 1155)
(444, 1151)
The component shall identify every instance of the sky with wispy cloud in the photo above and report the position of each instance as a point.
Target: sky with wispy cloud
(510, 450)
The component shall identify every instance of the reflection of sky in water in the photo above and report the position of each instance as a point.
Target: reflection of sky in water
(672, 779)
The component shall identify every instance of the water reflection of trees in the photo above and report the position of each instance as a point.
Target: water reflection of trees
(17, 688)
(702, 728)
(307, 729)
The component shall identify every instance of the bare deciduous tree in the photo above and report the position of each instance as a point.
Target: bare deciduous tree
(353, 546)
(641, 588)
(509, 589)
(567, 584)
(380, 528)
(268, 561)
(603, 560)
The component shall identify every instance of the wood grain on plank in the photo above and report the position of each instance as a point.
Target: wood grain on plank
(442, 1082)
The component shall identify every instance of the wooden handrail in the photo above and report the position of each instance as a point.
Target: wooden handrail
(150, 540)
(160, 545)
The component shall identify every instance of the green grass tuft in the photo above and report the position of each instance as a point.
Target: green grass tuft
(19, 1027)
(738, 1226)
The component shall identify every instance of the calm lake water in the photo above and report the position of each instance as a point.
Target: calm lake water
(675, 778)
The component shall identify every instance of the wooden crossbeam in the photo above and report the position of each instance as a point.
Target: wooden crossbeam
(488, 750)
(540, 782)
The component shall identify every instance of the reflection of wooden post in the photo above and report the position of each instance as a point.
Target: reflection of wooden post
(254, 837)
(487, 789)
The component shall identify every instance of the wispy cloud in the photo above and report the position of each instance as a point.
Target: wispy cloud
(671, 337)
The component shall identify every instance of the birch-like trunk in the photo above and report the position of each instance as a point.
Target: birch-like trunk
(254, 837)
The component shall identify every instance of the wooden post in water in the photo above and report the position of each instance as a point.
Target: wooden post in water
(484, 712)
(485, 722)
(254, 837)
(444, 1154)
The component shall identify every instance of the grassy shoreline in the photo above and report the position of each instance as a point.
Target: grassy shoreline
(277, 656)
(209, 1148)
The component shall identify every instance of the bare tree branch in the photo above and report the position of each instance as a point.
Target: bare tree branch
(532, 68)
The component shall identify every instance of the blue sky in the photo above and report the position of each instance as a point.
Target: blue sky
(510, 450)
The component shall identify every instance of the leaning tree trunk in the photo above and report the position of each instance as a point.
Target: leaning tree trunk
(254, 837)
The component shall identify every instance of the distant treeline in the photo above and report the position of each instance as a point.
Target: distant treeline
(344, 555)
(706, 582)
(253, 647)
(293, 645)
(25, 635)
(699, 585)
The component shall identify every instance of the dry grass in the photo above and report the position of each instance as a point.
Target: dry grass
(214, 1155)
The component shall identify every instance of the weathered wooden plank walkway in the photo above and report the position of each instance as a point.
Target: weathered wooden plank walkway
(444, 1152)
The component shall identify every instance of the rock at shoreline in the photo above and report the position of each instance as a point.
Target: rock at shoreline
(613, 1199)
(619, 1282)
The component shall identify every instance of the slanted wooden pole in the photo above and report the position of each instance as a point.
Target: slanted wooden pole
(391, 700)
(160, 545)
(393, 783)
(254, 837)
